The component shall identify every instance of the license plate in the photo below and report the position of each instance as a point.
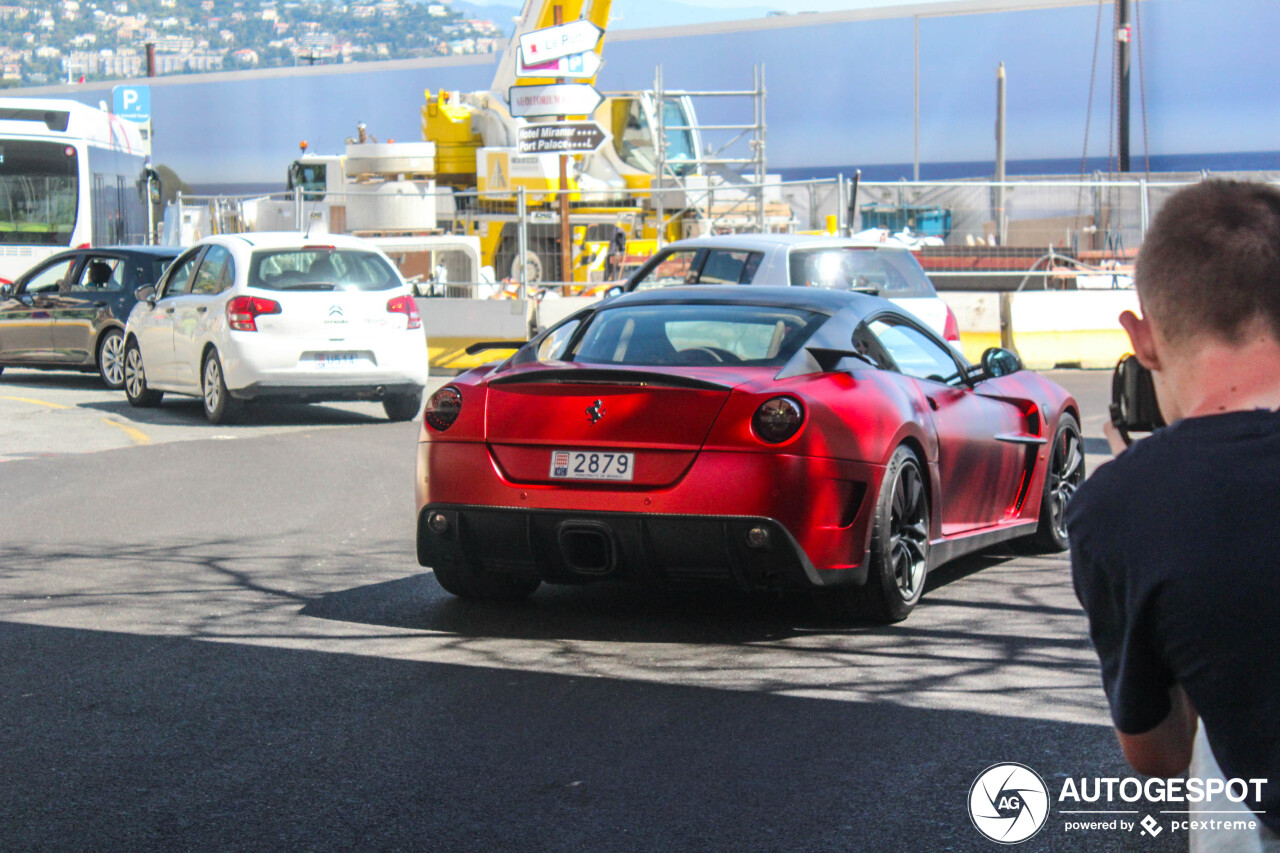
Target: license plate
(335, 359)
(592, 465)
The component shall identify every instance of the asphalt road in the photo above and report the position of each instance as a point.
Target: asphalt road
(218, 638)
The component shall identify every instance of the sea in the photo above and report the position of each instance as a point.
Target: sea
(1231, 161)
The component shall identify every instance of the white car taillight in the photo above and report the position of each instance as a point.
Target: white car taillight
(242, 312)
(951, 330)
(406, 306)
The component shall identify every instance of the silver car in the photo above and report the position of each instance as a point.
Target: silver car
(805, 260)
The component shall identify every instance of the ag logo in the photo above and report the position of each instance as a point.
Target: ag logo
(1008, 803)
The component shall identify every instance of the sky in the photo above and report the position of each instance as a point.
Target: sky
(839, 94)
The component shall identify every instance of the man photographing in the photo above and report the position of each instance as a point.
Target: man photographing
(1176, 543)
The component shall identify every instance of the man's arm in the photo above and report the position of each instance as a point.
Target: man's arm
(1166, 749)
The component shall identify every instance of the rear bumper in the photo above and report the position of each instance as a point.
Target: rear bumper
(329, 390)
(817, 511)
(274, 365)
(582, 547)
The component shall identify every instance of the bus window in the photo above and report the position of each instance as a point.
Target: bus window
(38, 187)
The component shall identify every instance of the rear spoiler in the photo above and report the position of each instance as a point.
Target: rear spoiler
(482, 346)
(605, 376)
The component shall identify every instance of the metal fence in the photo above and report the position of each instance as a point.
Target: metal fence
(968, 234)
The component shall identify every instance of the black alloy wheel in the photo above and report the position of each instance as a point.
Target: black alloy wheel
(899, 559)
(1062, 478)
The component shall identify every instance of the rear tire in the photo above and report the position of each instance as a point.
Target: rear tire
(1063, 476)
(135, 379)
(402, 407)
(469, 584)
(219, 406)
(899, 561)
(111, 359)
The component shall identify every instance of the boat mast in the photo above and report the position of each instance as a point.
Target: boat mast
(1123, 39)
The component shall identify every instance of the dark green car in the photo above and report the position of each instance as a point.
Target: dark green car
(68, 311)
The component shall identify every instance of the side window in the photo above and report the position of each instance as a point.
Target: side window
(214, 275)
(178, 281)
(553, 345)
(51, 279)
(673, 268)
(915, 353)
(723, 266)
(102, 273)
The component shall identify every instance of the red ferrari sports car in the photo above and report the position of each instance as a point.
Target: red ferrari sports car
(772, 438)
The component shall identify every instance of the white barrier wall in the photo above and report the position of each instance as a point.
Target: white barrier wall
(1070, 328)
(978, 316)
(552, 310)
(451, 325)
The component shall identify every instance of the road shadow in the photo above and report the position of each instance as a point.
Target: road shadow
(176, 410)
(63, 380)
(611, 612)
(118, 742)
(616, 612)
(1096, 446)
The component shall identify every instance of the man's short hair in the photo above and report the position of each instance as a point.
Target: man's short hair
(1211, 261)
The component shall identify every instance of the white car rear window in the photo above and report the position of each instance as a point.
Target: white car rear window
(889, 274)
(321, 268)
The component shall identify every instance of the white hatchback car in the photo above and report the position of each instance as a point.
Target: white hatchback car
(277, 316)
(807, 260)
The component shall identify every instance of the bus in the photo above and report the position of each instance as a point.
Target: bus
(70, 176)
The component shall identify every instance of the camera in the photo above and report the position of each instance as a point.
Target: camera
(1133, 399)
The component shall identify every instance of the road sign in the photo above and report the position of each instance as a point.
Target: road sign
(556, 99)
(579, 65)
(554, 42)
(562, 137)
(132, 103)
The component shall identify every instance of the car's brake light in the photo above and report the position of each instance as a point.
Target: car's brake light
(242, 312)
(777, 419)
(406, 306)
(443, 408)
(951, 328)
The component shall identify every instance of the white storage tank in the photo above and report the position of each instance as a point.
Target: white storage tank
(392, 206)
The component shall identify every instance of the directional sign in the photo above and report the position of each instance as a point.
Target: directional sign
(557, 99)
(562, 137)
(579, 65)
(554, 42)
(132, 103)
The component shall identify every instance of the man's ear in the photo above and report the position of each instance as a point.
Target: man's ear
(1142, 338)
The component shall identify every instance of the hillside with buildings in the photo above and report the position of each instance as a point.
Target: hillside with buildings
(72, 40)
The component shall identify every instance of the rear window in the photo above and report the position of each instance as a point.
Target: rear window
(696, 335)
(889, 273)
(321, 269)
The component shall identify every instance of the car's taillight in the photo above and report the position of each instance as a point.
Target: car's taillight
(243, 311)
(443, 408)
(951, 329)
(406, 306)
(777, 419)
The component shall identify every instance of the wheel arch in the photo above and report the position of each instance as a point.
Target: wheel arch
(102, 333)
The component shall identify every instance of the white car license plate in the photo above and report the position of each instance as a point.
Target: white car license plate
(335, 359)
(592, 465)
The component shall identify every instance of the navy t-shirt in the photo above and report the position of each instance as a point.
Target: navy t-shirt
(1175, 552)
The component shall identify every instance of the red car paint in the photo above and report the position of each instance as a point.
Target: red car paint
(697, 456)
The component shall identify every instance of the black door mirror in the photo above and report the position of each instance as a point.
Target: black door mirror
(6, 290)
(146, 293)
(997, 361)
